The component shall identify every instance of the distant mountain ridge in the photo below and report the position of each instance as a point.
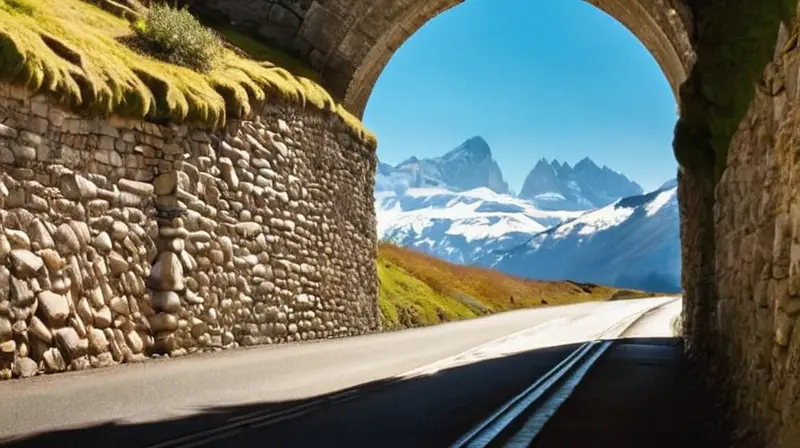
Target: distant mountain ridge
(468, 166)
(583, 223)
(632, 243)
(460, 226)
(549, 185)
(558, 186)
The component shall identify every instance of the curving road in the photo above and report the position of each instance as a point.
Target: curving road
(481, 362)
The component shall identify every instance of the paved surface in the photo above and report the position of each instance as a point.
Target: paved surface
(452, 374)
(659, 323)
(637, 395)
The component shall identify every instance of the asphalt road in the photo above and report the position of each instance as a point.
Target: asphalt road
(443, 380)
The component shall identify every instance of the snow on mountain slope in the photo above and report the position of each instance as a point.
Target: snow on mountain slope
(558, 186)
(466, 167)
(460, 226)
(632, 243)
(567, 224)
(669, 184)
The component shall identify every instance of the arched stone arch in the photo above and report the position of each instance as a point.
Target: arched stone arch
(349, 42)
(353, 63)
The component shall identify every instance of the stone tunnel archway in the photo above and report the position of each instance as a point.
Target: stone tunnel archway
(736, 79)
(734, 65)
(662, 29)
(349, 43)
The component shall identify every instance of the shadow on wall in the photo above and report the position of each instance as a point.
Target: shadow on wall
(426, 411)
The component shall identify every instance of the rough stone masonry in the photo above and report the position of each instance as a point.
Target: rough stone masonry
(122, 239)
(756, 332)
(740, 236)
(349, 42)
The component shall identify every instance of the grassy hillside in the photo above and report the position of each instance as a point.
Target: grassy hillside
(418, 290)
(90, 60)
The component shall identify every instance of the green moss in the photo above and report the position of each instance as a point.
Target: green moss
(18, 6)
(260, 52)
(176, 36)
(75, 52)
(736, 42)
(406, 301)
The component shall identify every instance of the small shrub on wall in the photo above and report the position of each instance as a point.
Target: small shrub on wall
(175, 36)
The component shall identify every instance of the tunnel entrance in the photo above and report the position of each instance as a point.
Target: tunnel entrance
(497, 129)
(734, 74)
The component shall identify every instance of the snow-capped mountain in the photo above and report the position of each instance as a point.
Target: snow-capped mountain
(669, 184)
(568, 223)
(558, 186)
(460, 227)
(631, 243)
(466, 167)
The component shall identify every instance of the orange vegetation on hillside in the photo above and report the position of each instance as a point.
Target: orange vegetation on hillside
(493, 288)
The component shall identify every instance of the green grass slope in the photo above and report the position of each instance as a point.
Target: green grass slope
(418, 290)
(77, 53)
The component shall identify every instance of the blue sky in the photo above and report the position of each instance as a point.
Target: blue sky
(536, 78)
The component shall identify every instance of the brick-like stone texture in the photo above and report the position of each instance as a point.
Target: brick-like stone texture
(740, 239)
(123, 239)
(277, 22)
(757, 341)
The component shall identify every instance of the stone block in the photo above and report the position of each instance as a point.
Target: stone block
(138, 188)
(166, 184)
(55, 308)
(163, 322)
(23, 152)
(8, 132)
(25, 263)
(167, 273)
(70, 344)
(38, 329)
(25, 368)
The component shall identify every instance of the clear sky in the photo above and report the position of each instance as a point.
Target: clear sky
(536, 78)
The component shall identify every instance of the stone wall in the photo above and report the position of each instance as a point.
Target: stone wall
(280, 231)
(757, 342)
(349, 42)
(121, 239)
(277, 22)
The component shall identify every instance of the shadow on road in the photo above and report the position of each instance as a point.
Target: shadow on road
(426, 411)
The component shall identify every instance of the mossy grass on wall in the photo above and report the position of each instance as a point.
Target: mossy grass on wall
(736, 41)
(78, 53)
(254, 49)
(175, 36)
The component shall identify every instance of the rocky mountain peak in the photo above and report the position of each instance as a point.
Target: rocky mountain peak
(586, 164)
(470, 165)
(475, 149)
(582, 187)
(543, 166)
